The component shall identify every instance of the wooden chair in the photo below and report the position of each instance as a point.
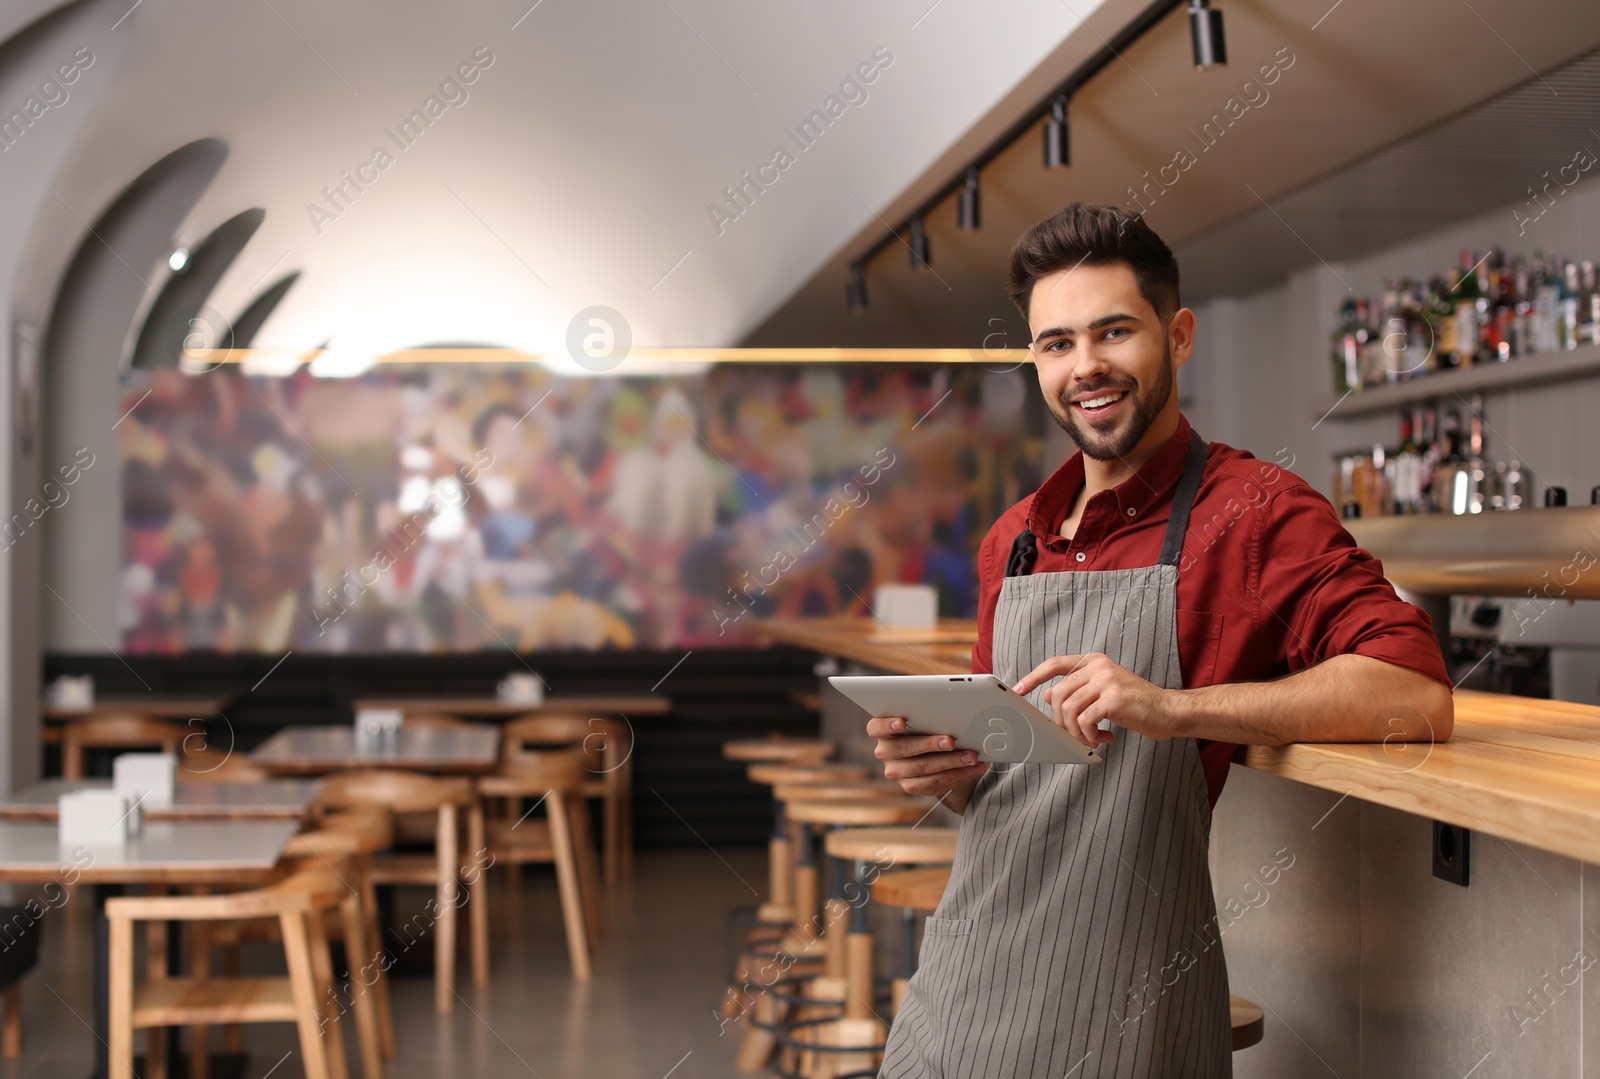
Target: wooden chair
(409, 792)
(116, 732)
(305, 997)
(562, 836)
(606, 748)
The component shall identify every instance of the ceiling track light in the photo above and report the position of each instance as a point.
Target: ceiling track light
(919, 245)
(855, 289)
(1205, 29)
(967, 201)
(1057, 136)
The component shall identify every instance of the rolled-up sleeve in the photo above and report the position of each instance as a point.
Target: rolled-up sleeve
(1326, 596)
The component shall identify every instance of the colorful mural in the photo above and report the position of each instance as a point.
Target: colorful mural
(483, 507)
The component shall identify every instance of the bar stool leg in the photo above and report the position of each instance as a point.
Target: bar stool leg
(780, 900)
(805, 884)
(837, 911)
(858, 953)
(908, 956)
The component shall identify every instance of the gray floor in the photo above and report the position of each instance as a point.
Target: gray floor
(647, 1012)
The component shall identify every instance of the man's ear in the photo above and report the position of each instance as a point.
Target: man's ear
(1180, 336)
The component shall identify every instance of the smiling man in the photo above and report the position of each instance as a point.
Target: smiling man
(1169, 600)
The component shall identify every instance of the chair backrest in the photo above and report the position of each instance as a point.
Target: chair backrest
(131, 730)
(401, 792)
(557, 770)
(599, 742)
(116, 732)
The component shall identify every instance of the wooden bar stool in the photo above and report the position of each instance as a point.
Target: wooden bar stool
(777, 748)
(914, 890)
(869, 847)
(116, 732)
(812, 1035)
(911, 890)
(779, 907)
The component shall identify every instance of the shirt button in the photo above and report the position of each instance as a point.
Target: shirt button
(1132, 511)
(1081, 556)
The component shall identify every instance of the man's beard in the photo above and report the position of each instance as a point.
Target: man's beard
(1117, 444)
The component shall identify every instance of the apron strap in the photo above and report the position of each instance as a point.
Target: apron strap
(1025, 547)
(1183, 500)
(1024, 551)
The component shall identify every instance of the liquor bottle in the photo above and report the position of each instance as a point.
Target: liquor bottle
(1547, 304)
(1407, 467)
(1503, 308)
(1346, 352)
(1522, 319)
(1478, 475)
(1420, 358)
(1442, 316)
(1589, 307)
(1487, 274)
(1465, 298)
(1428, 466)
(1450, 481)
(1369, 347)
(1567, 319)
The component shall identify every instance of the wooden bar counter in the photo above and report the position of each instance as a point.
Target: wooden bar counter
(1519, 768)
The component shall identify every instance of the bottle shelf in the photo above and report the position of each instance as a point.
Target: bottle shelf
(1526, 371)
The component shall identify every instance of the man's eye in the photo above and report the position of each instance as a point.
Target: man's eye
(1116, 332)
(1058, 345)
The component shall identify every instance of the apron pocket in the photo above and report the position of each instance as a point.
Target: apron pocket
(946, 927)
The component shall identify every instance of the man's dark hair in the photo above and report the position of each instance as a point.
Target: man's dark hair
(1086, 234)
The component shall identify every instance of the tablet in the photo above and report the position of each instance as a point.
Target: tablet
(979, 711)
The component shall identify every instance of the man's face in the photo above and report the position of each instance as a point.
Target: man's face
(1106, 362)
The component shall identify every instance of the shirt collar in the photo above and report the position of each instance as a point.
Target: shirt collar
(1138, 493)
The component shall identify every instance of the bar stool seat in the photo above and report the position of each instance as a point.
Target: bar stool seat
(903, 846)
(778, 749)
(836, 792)
(914, 889)
(857, 814)
(1248, 1022)
(772, 773)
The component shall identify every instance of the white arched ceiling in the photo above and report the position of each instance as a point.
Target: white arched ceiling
(110, 280)
(575, 169)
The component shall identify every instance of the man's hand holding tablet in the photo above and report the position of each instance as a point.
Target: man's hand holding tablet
(926, 763)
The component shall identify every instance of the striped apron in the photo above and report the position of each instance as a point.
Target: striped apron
(1077, 938)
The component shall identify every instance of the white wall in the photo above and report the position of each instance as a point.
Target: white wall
(30, 256)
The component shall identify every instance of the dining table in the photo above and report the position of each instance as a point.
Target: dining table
(313, 751)
(276, 799)
(224, 853)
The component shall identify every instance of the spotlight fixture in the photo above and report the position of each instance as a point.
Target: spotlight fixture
(178, 259)
(1057, 136)
(967, 204)
(855, 289)
(1205, 28)
(919, 245)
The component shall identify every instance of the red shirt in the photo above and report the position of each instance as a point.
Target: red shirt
(1269, 581)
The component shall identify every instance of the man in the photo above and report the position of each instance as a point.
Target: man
(1168, 600)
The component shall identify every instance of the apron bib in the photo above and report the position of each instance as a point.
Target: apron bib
(1077, 938)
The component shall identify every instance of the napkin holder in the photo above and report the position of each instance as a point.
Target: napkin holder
(97, 818)
(520, 688)
(145, 778)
